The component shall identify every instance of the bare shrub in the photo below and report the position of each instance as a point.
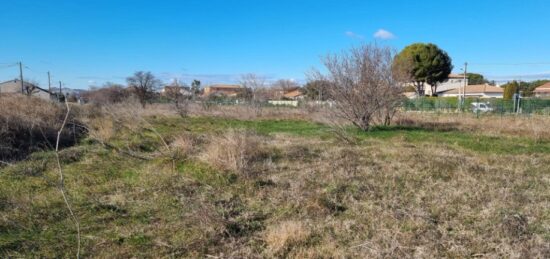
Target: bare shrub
(108, 94)
(363, 84)
(257, 89)
(235, 150)
(183, 145)
(179, 96)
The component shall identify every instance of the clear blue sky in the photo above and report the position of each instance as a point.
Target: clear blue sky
(90, 42)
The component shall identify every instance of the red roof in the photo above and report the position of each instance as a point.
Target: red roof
(545, 88)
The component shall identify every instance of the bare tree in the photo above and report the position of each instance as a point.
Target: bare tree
(286, 84)
(283, 86)
(363, 84)
(144, 85)
(255, 83)
(179, 95)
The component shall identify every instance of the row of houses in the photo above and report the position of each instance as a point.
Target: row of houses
(235, 91)
(225, 90)
(454, 87)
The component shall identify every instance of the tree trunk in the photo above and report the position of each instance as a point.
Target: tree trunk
(434, 89)
(420, 88)
(364, 123)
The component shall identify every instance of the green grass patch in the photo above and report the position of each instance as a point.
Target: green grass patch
(470, 141)
(171, 125)
(466, 140)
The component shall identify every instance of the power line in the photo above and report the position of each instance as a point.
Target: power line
(511, 64)
(8, 66)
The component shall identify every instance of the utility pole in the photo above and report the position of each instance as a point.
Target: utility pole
(60, 93)
(465, 84)
(49, 83)
(21, 77)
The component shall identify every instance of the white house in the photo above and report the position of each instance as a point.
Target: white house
(453, 82)
(480, 91)
(14, 87)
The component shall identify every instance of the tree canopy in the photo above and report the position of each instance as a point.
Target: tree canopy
(425, 63)
(510, 89)
(144, 85)
(476, 79)
(317, 90)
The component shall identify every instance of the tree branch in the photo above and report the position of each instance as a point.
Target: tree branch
(62, 181)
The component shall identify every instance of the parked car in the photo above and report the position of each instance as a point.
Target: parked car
(481, 107)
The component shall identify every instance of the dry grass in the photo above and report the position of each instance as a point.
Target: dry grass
(531, 126)
(31, 124)
(285, 235)
(234, 150)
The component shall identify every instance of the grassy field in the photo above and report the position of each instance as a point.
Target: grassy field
(207, 186)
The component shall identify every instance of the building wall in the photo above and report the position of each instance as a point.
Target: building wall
(283, 103)
(474, 95)
(14, 87)
(542, 95)
(451, 83)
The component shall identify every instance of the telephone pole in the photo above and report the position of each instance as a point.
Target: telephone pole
(49, 83)
(21, 77)
(60, 93)
(465, 83)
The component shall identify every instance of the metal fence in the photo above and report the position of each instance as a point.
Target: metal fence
(423, 104)
(493, 105)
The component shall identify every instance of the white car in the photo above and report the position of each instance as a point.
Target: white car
(481, 107)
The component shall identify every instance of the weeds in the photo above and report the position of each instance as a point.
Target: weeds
(280, 188)
(234, 151)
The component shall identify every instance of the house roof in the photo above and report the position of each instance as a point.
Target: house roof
(16, 82)
(545, 88)
(224, 86)
(485, 88)
(293, 93)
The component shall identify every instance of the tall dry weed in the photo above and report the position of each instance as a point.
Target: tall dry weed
(234, 150)
(29, 124)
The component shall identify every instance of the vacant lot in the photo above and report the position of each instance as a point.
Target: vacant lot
(281, 184)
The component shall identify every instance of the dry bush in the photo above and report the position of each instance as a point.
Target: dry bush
(284, 235)
(364, 85)
(184, 145)
(106, 121)
(234, 150)
(108, 94)
(30, 124)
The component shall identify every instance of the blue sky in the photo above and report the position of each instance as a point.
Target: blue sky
(87, 43)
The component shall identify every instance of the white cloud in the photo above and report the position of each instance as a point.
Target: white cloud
(384, 35)
(354, 35)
